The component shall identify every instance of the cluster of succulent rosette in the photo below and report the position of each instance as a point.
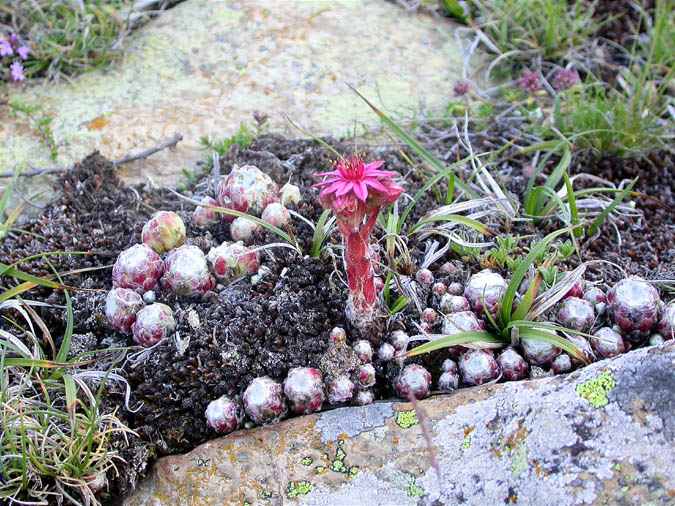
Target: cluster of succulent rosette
(164, 263)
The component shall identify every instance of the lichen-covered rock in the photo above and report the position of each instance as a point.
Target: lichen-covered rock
(231, 260)
(478, 367)
(264, 401)
(137, 268)
(303, 388)
(224, 415)
(413, 381)
(121, 306)
(164, 231)
(484, 291)
(153, 323)
(187, 273)
(634, 306)
(600, 435)
(246, 189)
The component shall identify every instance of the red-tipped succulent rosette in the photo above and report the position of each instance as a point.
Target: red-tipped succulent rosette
(356, 191)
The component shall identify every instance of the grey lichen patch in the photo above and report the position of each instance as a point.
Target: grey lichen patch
(298, 488)
(353, 421)
(595, 390)
(406, 419)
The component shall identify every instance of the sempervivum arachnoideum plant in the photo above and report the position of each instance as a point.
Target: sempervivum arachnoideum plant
(187, 273)
(164, 231)
(231, 260)
(153, 323)
(356, 192)
(264, 400)
(224, 415)
(246, 189)
(634, 304)
(137, 268)
(667, 322)
(121, 307)
(304, 390)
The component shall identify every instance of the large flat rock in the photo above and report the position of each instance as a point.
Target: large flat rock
(602, 435)
(205, 66)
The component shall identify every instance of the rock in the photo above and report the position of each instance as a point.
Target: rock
(603, 434)
(203, 67)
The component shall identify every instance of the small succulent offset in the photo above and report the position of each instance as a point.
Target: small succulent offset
(187, 273)
(356, 191)
(137, 268)
(121, 306)
(231, 260)
(224, 415)
(246, 189)
(164, 232)
(153, 323)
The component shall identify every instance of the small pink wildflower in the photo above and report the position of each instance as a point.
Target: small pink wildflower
(565, 79)
(16, 71)
(461, 88)
(356, 191)
(529, 81)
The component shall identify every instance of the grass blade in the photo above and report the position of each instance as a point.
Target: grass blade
(481, 338)
(600, 218)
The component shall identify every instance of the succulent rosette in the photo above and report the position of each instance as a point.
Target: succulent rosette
(364, 351)
(607, 342)
(413, 381)
(153, 323)
(304, 390)
(264, 400)
(576, 314)
(464, 321)
(246, 189)
(454, 304)
(478, 367)
(634, 306)
(484, 291)
(340, 390)
(224, 415)
(539, 352)
(164, 231)
(204, 215)
(365, 376)
(667, 322)
(121, 306)
(277, 215)
(231, 260)
(187, 273)
(137, 268)
(242, 228)
(290, 194)
(513, 365)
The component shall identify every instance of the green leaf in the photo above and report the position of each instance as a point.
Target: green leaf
(572, 203)
(320, 233)
(64, 349)
(562, 343)
(399, 305)
(454, 10)
(454, 218)
(600, 218)
(480, 338)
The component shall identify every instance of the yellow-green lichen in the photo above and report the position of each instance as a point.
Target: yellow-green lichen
(307, 461)
(595, 390)
(298, 488)
(406, 419)
(413, 489)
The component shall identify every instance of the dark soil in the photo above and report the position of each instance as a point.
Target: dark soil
(243, 331)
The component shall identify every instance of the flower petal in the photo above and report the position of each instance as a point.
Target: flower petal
(361, 190)
(345, 188)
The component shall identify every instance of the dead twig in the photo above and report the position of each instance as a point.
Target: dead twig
(167, 144)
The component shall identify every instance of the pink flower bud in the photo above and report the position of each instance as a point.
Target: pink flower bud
(121, 306)
(667, 322)
(365, 376)
(364, 397)
(264, 400)
(231, 260)
(153, 323)
(607, 342)
(138, 268)
(204, 216)
(485, 290)
(478, 367)
(464, 321)
(425, 277)
(414, 380)
(277, 215)
(576, 314)
(246, 189)
(187, 274)
(364, 351)
(224, 415)
(634, 306)
(340, 390)
(242, 229)
(290, 195)
(164, 231)
(304, 389)
(512, 364)
(454, 304)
